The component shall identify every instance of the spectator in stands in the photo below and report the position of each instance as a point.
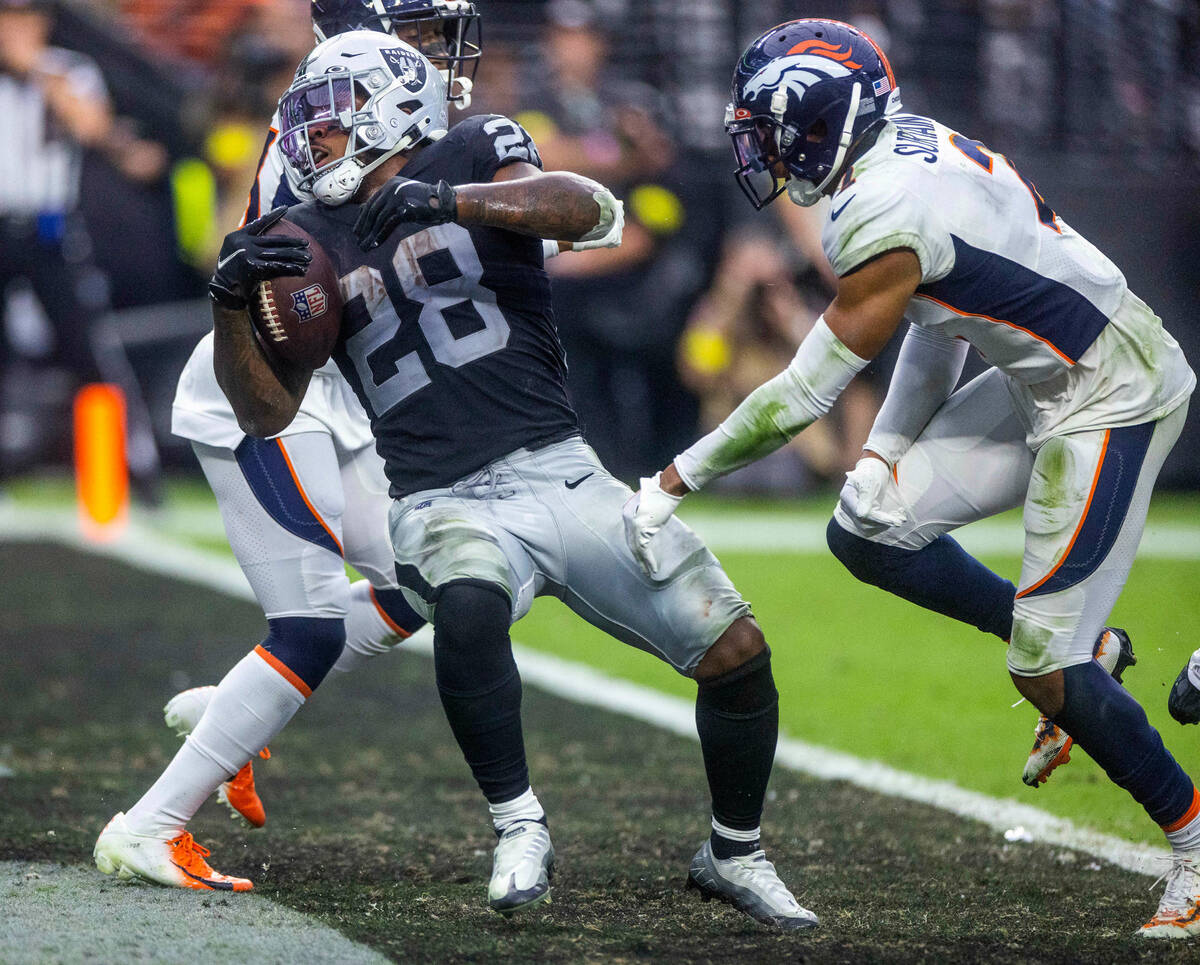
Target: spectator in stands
(55, 105)
(744, 330)
(626, 305)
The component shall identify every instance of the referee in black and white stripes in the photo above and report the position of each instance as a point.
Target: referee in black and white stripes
(54, 105)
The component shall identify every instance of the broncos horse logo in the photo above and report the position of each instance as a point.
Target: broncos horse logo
(797, 72)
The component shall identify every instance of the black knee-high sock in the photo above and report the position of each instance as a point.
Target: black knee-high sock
(1111, 726)
(480, 688)
(737, 717)
(941, 576)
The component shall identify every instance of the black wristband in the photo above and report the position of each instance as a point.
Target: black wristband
(447, 200)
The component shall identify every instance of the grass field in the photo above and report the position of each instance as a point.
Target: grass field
(376, 829)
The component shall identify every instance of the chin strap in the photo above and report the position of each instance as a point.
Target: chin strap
(805, 193)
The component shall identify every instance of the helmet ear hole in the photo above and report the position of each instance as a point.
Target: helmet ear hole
(818, 132)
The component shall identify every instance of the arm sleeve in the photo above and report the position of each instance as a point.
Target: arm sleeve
(776, 411)
(926, 372)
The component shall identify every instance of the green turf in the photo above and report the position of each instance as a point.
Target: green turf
(376, 828)
(862, 671)
(865, 672)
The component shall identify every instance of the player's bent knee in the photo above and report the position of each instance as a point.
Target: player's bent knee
(1045, 692)
(741, 642)
(471, 615)
(307, 646)
(867, 560)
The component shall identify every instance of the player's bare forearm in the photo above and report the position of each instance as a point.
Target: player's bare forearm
(265, 397)
(555, 205)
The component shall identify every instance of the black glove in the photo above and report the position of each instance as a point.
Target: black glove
(248, 256)
(401, 201)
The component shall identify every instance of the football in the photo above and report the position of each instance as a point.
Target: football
(297, 317)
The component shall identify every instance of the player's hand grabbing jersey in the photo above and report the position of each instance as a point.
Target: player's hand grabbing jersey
(1000, 269)
(448, 336)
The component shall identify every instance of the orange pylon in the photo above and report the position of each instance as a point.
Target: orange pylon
(101, 470)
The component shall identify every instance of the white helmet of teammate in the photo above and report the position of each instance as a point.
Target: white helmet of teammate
(385, 94)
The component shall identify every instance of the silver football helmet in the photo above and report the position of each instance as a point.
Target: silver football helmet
(383, 93)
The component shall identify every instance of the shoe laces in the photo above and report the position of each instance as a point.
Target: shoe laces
(1045, 730)
(190, 854)
(762, 873)
(514, 848)
(1183, 882)
(243, 780)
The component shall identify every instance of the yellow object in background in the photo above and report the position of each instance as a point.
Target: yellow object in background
(101, 471)
(656, 208)
(195, 192)
(706, 351)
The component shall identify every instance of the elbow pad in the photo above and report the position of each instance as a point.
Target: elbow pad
(776, 411)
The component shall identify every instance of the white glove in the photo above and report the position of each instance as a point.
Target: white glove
(868, 486)
(645, 513)
(612, 237)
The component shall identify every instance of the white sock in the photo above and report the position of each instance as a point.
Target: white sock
(368, 631)
(1187, 838)
(251, 705)
(526, 807)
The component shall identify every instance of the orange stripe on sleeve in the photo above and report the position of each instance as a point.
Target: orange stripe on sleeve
(283, 670)
(392, 624)
(1188, 816)
(1075, 535)
(303, 495)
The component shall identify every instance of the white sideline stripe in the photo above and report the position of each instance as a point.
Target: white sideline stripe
(773, 533)
(147, 550)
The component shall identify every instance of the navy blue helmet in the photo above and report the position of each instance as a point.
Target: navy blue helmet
(803, 94)
(448, 32)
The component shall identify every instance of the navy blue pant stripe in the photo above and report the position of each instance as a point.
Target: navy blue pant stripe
(1105, 513)
(270, 477)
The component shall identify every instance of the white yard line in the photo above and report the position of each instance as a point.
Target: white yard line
(148, 550)
(733, 532)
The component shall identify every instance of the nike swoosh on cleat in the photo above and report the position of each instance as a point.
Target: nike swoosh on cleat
(833, 215)
(215, 885)
(572, 485)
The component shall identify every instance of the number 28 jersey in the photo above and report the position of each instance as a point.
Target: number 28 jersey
(448, 337)
(1002, 270)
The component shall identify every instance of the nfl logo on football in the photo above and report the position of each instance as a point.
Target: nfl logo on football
(309, 303)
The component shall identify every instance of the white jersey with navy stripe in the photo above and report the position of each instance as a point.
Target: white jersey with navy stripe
(1000, 269)
(201, 413)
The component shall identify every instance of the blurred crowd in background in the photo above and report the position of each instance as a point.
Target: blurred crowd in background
(154, 114)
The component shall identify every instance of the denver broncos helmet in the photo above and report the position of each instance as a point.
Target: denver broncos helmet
(448, 32)
(803, 93)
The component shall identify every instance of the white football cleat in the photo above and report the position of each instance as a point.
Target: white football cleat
(751, 884)
(522, 867)
(182, 714)
(1051, 744)
(176, 862)
(1178, 914)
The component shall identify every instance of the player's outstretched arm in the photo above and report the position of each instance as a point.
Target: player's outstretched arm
(558, 205)
(868, 308)
(264, 397)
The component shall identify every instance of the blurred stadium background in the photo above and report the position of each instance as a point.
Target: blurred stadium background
(1098, 101)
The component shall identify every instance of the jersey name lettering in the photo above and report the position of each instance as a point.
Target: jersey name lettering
(916, 136)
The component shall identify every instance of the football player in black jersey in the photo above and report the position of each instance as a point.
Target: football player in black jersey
(449, 340)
